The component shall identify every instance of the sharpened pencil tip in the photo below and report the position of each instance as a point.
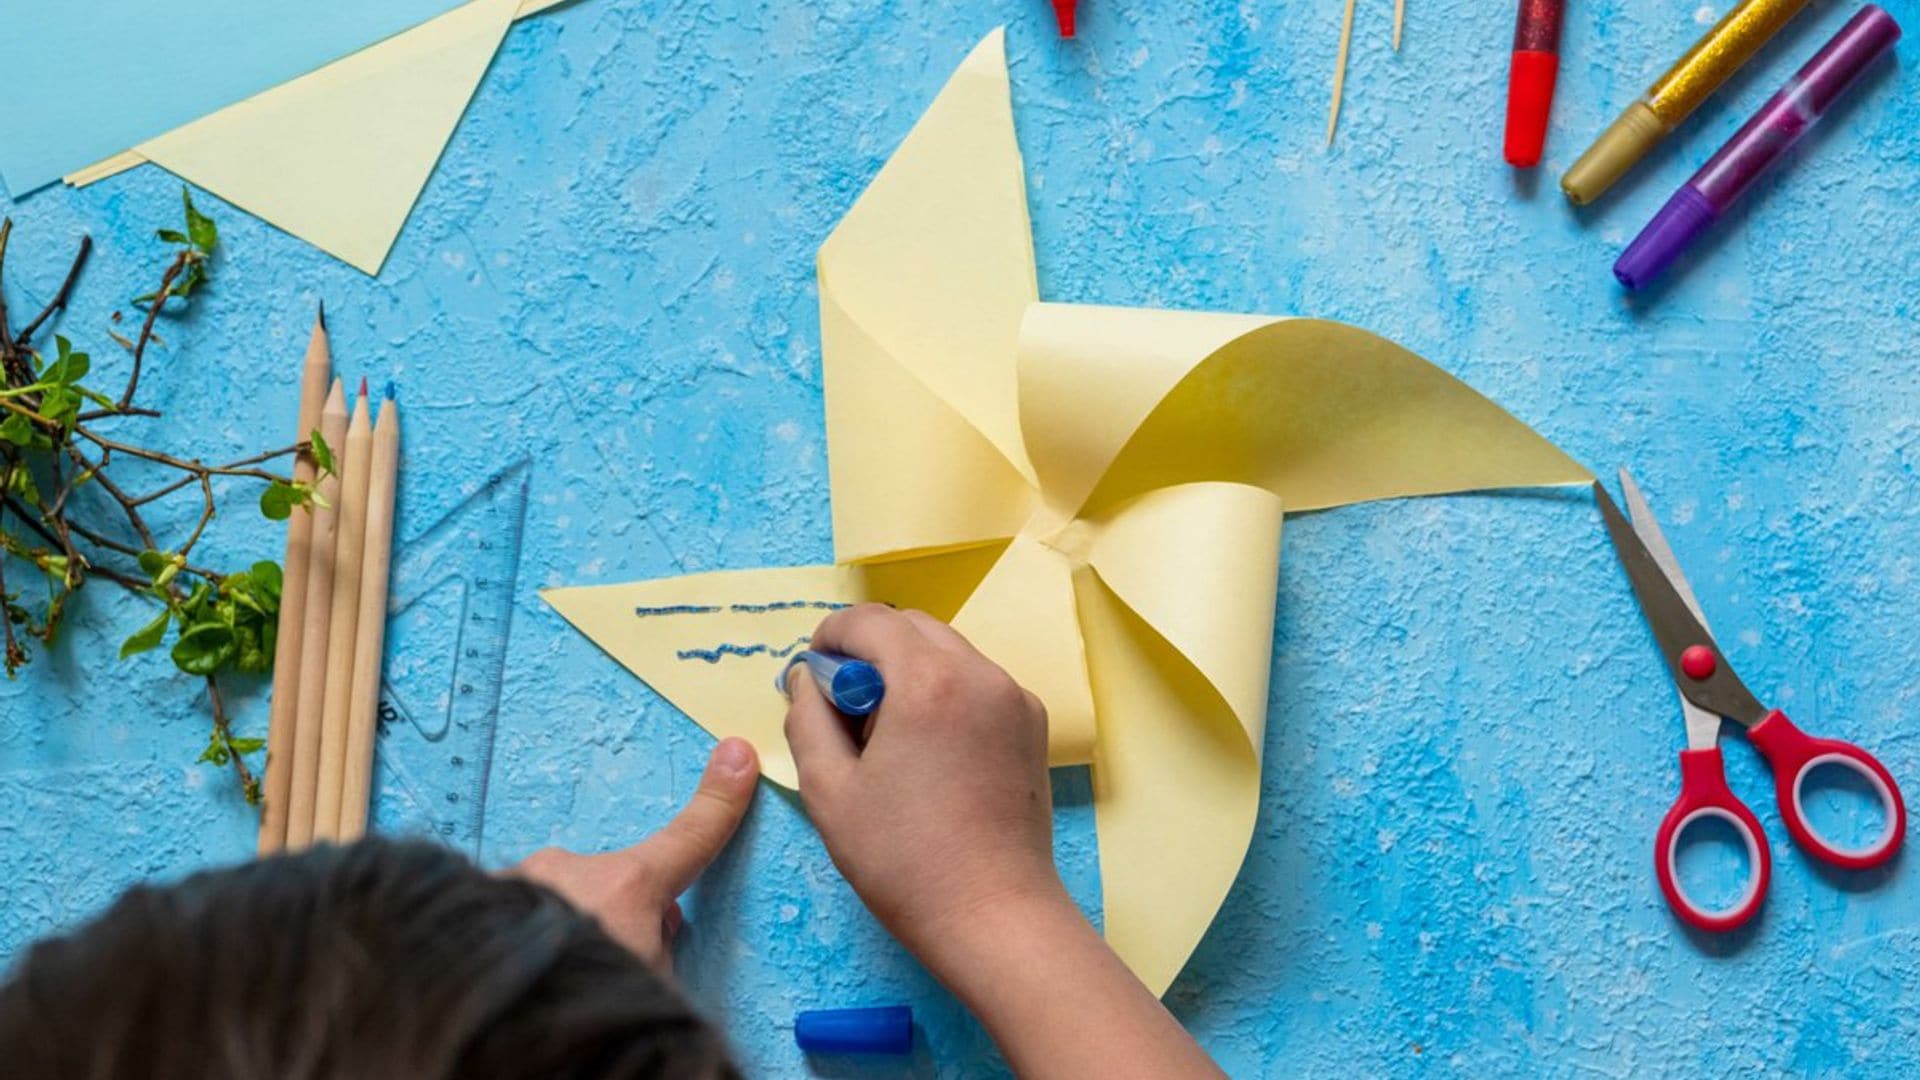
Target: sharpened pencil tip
(363, 386)
(387, 390)
(321, 318)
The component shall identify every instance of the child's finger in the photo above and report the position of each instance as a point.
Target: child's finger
(823, 750)
(939, 634)
(680, 851)
(876, 633)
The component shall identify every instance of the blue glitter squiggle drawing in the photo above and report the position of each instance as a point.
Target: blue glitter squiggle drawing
(740, 609)
(722, 651)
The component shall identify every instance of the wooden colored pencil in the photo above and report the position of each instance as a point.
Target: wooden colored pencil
(370, 628)
(1399, 20)
(349, 544)
(293, 596)
(313, 634)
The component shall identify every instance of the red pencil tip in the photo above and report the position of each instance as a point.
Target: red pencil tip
(363, 386)
(1063, 12)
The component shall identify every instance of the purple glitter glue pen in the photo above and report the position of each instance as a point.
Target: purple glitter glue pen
(1762, 141)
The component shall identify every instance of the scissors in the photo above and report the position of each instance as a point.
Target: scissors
(1709, 691)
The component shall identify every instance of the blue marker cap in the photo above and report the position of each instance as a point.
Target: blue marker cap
(882, 1029)
(854, 686)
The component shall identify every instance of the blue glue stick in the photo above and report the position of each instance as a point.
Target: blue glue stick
(884, 1029)
(854, 686)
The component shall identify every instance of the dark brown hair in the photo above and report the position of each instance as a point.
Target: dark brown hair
(379, 959)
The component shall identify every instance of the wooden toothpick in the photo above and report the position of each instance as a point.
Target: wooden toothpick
(1340, 73)
(1399, 20)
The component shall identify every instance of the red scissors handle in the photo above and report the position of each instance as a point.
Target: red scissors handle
(1794, 754)
(1704, 794)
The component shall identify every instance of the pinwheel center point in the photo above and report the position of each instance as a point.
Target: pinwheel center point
(1060, 531)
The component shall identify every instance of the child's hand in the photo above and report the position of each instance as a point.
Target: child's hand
(947, 810)
(634, 891)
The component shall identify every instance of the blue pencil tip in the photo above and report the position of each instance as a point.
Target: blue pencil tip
(387, 390)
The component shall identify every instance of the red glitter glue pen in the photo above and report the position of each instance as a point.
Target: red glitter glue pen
(1536, 64)
(1063, 12)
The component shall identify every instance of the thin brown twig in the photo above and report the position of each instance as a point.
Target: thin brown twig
(66, 488)
(183, 464)
(108, 542)
(6, 333)
(132, 583)
(108, 485)
(146, 328)
(231, 468)
(206, 515)
(107, 414)
(29, 414)
(27, 516)
(125, 581)
(248, 785)
(54, 515)
(59, 301)
(14, 654)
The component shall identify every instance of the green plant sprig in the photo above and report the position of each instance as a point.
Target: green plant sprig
(51, 447)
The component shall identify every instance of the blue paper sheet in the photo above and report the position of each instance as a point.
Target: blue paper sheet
(90, 79)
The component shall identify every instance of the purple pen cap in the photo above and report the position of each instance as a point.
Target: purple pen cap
(1678, 224)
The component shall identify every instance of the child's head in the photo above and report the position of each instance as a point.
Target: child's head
(379, 959)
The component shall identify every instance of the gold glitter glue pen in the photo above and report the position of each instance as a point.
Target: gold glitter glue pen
(1717, 55)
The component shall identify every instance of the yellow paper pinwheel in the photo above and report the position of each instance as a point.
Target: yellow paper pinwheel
(1092, 495)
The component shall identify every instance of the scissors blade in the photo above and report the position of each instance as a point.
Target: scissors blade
(1675, 628)
(1703, 727)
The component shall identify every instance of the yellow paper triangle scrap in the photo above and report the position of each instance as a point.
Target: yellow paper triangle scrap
(338, 156)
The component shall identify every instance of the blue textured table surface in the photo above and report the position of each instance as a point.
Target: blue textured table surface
(605, 300)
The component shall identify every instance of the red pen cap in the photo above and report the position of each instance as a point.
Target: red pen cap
(1536, 65)
(1529, 100)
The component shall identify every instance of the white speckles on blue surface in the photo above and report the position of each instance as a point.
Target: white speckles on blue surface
(1471, 740)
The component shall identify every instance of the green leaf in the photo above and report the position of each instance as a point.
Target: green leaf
(161, 568)
(322, 453)
(69, 367)
(194, 606)
(183, 285)
(216, 751)
(57, 403)
(200, 227)
(20, 482)
(255, 590)
(248, 656)
(146, 637)
(16, 429)
(245, 746)
(244, 597)
(173, 236)
(267, 579)
(203, 647)
(276, 501)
